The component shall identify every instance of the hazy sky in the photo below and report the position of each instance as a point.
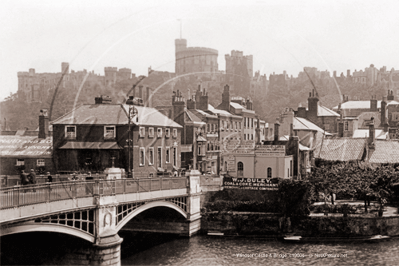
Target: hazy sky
(281, 35)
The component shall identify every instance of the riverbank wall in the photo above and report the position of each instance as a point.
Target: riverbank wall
(268, 224)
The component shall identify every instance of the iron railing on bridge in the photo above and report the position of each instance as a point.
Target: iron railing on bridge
(32, 194)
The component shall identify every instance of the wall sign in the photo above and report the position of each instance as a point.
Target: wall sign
(248, 183)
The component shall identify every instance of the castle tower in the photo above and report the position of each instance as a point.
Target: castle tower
(110, 75)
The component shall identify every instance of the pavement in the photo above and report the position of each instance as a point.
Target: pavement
(388, 210)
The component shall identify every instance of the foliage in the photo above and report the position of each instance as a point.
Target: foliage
(295, 197)
(349, 179)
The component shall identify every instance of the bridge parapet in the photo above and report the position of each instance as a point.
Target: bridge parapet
(96, 210)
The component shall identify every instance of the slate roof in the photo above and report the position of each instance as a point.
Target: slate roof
(324, 111)
(342, 149)
(386, 151)
(192, 117)
(364, 133)
(239, 106)
(357, 105)
(148, 116)
(202, 113)
(99, 114)
(114, 114)
(303, 124)
(224, 113)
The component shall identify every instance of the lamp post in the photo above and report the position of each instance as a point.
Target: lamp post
(131, 114)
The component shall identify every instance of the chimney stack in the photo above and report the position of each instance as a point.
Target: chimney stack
(43, 124)
(225, 105)
(371, 139)
(391, 97)
(276, 131)
(373, 104)
(383, 111)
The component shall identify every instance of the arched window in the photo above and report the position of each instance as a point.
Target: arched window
(240, 169)
(269, 172)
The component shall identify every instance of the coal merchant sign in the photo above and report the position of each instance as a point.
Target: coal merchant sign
(248, 183)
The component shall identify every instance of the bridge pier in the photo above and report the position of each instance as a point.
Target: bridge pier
(107, 251)
(193, 201)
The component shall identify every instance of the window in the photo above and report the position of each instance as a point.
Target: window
(142, 156)
(159, 132)
(20, 162)
(142, 132)
(174, 156)
(174, 133)
(167, 159)
(240, 169)
(150, 132)
(70, 132)
(245, 136)
(159, 157)
(346, 126)
(109, 132)
(208, 127)
(151, 156)
(40, 162)
(167, 132)
(269, 172)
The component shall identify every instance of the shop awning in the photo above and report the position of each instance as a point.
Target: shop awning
(84, 145)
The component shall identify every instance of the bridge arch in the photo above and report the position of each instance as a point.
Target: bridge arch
(43, 227)
(148, 206)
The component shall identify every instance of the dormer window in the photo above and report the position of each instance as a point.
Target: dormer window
(159, 132)
(150, 132)
(167, 132)
(70, 132)
(174, 133)
(109, 132)
(142, 132)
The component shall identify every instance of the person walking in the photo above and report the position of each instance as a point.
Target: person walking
(24, 179)
(32, 178)
(49, 177)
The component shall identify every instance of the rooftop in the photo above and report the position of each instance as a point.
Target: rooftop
(114, 114)
(386, 151)
(341, 149)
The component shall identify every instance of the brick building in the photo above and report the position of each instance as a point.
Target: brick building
(96, 136)
(25, 150)
(318, 114)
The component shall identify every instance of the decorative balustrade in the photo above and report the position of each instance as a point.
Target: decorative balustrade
(32, 194)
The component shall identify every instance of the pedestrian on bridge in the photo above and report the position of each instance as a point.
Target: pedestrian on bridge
(49, 177)
(32, 178)
(24, 178)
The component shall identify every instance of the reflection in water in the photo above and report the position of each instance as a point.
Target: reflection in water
(204, 250)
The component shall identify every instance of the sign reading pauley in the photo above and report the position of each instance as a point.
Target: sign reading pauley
(248, 183)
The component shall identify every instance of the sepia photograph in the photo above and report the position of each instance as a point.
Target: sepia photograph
(182, 132)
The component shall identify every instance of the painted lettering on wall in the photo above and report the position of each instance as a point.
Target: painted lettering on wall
(248, 183)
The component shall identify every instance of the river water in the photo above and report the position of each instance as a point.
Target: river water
(207, 250)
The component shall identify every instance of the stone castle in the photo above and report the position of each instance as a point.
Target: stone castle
(36, 86)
